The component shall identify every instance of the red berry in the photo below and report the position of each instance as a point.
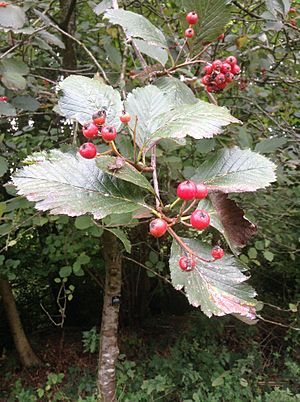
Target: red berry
(192, 18)
(158, 227)
(108, 133)
(220, 79)
(293, 22)
(292, 10)
(88, 150)
(99, 117)
(216, 65)
(229, 77)
(2, 4)
(235, 69)
(231, 60)
(200, 219)
(125, 117)
(187, 190)
(90, 130)
(205, 80)
(211, 87)
(208, 69)
(189, 33)
(202, 191)
(221, 37)
(222, 85)
(187, 263)
(3, 98)
(225, 68)
(217, 252)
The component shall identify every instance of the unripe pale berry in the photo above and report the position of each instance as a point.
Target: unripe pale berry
(192, 18)
(90, 130)
(189, 33)
(186, 263)
(217, 252)
(125, 117)
(88, 150)
(231, 60)
(208, 69)
(99, 117)
(108, 133)
(187, 190)
(235, 69)
(158, 227)
(202, 191)
(217, 64)
(200, 219)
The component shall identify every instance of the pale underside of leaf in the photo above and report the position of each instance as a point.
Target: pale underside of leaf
(137, 26)
(69, 184)
(233, 170)
(180, 92)
(153, 51)
(12, 17)
(82, 97)
(217, 287)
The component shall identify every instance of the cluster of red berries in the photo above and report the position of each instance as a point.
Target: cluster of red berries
(199, 219)
(292, 21)
(220, 73)
(97, 127)
(191, 19)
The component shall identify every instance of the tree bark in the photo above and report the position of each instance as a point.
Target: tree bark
(68, 24)
(27, 356)
(109, 350)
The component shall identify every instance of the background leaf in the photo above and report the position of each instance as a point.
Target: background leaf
(216, 287)
(102, 6)
(122, 236)
(12, 17)
(269, 145)
(213, 16)
(232, 170)
(6, 109)
(69, 184)
(137, 26)
(84, 96)
(26, 102)
(153, 51)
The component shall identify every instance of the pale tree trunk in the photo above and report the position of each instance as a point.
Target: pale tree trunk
(27, 356)
(68, 24)
(109, 350)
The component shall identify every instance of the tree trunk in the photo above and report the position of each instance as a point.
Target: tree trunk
(27, 356)
(68, 24)
(109, 350)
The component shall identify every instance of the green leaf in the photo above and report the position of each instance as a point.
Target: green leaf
(268, 256)
(153, 51)
(180, 93)
(13, 81)
(146, 104)
(252, 253)
(137, 26)
(213, 16)
(122, 236)
(278, 6)
(83, 259)
(269, 145)
(232, 170)
(3, 166)
(204, 121)
(12, 17)
(83, 222)
(6, 109)
(51, 39)
(109, 165)
(83, 96)
(102, 6)
(71, 185)
(218, 287)
(64, 272)
(15, 65)
(26, 102)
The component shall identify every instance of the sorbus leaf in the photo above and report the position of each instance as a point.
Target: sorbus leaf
(12, 17)
(66, 183)
(217, 287)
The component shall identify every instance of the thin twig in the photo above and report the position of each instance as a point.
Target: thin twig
(155, 179)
